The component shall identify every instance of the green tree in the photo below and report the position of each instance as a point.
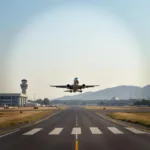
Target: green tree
(101, 103)
(142, 102)
(46, 101)
(40, 101)
(83, 103)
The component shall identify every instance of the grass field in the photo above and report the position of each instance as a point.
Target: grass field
(31, 108)
(142, 118)
(28, 108)
(12, 116)
(8, 119)
(109, 107)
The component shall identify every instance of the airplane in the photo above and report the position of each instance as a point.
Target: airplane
(75, 87)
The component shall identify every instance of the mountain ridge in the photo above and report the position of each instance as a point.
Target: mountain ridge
(122, 91)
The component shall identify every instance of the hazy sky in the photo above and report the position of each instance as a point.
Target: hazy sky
(53, 41)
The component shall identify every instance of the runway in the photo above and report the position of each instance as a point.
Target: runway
(76, 129)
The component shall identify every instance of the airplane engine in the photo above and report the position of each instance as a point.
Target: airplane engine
(68, 86)
(83, 85)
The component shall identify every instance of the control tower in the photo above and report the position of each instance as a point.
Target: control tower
(24, 86)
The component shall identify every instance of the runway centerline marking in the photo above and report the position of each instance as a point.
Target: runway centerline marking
(77, 145)
(76, 135)
(135, 130)
(33, 131)
(95, 130)
(76, 130)
(76, 121)
(115, 130)
(56, 131)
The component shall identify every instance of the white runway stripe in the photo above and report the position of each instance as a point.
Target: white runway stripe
(56, 131)
(135, 130)
(95, 130)
(33, 131)
(76, 131)
(115, 130)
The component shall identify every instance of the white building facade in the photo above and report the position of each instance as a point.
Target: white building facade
(15, 99)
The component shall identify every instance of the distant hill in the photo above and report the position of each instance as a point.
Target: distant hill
(123, 92)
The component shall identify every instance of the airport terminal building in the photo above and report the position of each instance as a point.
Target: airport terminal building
(15, 99)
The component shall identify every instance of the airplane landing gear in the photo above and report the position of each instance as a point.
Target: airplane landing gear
(80, 91)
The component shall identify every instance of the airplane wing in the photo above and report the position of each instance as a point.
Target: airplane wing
(59, 86)
(63, 86)
(87, 86)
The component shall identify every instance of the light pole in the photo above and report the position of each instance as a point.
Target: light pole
(34, 96)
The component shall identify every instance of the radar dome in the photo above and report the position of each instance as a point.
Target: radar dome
(115, 98)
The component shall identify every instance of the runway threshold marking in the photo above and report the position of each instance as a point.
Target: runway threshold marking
(76, 130)
(33, 131)
(135, 130)
(95, 130)
(56, 131)
(115, 130)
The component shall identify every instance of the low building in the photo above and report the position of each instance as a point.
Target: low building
(13, 99)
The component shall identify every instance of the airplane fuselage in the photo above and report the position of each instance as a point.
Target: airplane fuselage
(75, 87)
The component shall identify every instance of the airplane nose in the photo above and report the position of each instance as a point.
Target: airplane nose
(76, 78)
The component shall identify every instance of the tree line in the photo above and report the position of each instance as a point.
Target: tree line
(44, 101)
(142, 102)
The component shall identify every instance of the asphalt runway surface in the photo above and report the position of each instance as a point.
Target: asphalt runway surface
(76, 129)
